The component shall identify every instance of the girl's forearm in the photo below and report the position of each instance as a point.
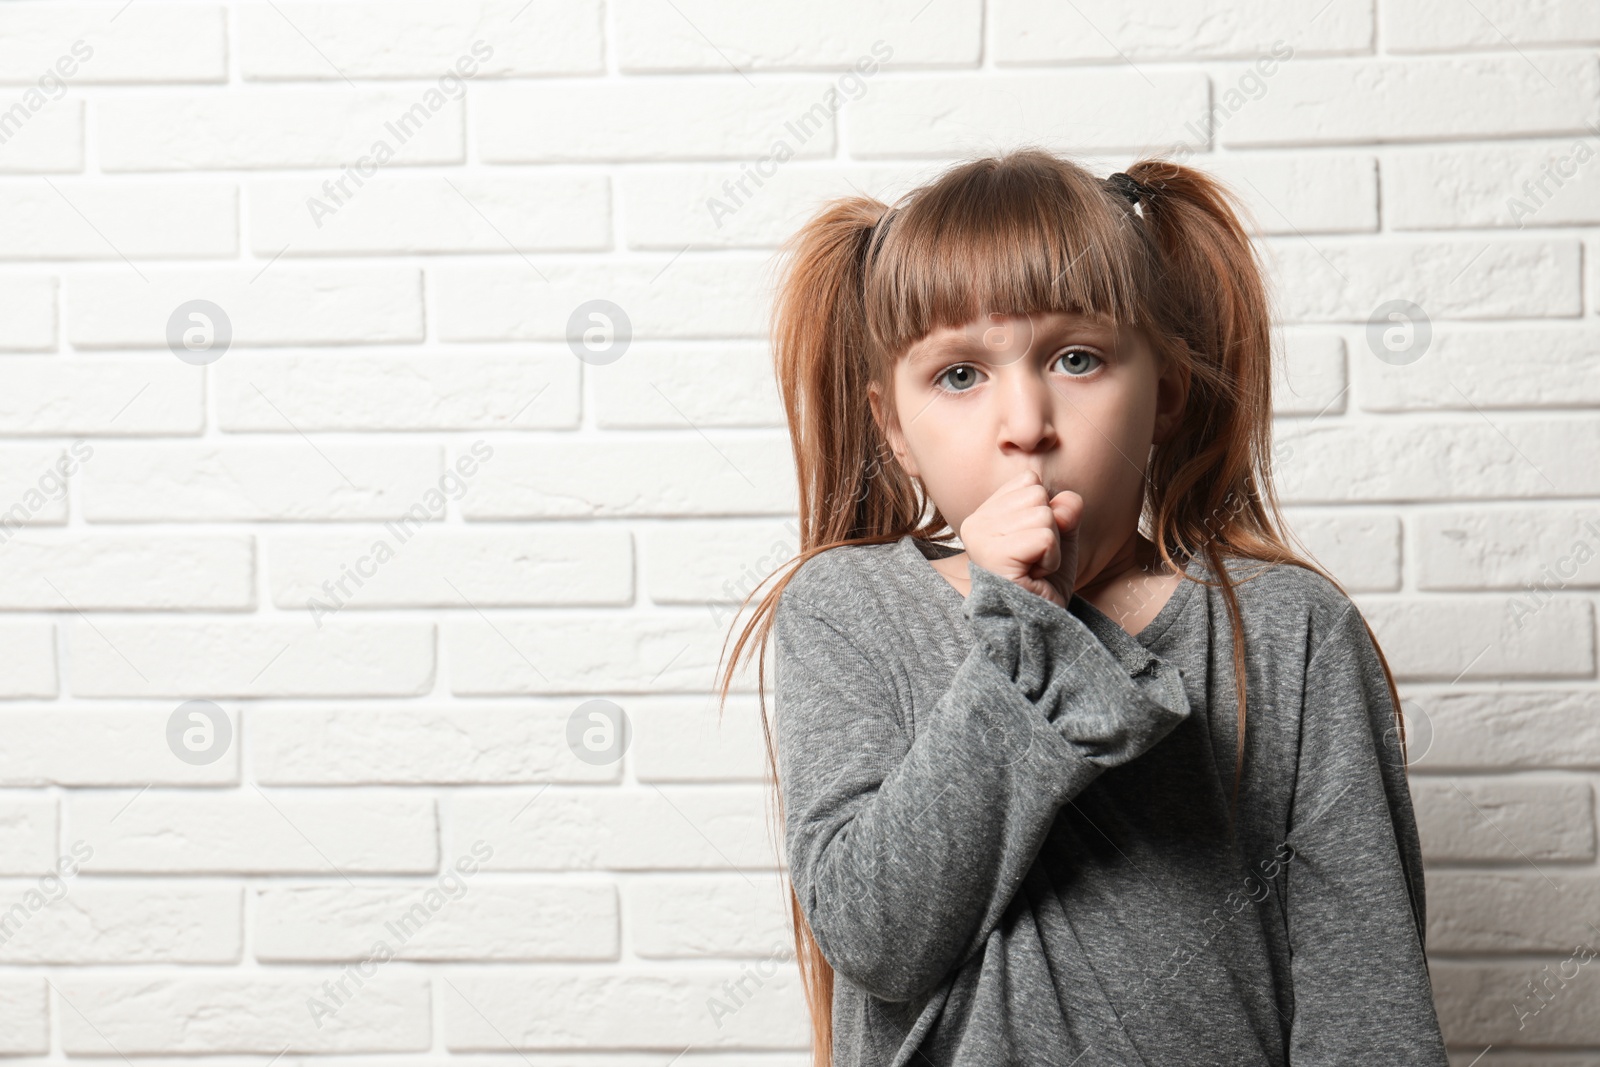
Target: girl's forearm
(904, 853)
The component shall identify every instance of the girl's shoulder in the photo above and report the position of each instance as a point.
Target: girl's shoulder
(1290, 601)
(849, 583)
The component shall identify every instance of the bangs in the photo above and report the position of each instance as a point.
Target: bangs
(1024, 235)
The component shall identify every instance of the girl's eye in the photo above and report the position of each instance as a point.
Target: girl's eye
(967, 373)
(1082, 361)
(963, 376)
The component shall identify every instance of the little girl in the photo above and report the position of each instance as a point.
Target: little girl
(1004, 771)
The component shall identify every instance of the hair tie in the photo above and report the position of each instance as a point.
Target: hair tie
(882, 225)
(1129, 187)
(879, 230)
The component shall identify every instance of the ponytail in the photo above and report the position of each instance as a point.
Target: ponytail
(822, 362)
(846, 490)
(1211, 486)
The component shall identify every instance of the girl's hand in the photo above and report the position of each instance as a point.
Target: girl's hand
(1023, 534)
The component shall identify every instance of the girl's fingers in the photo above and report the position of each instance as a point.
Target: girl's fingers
(1033, 538)
(1067, 507)
(1024, 531)
(1051, 559)
(1041, 587)
(1033, 543)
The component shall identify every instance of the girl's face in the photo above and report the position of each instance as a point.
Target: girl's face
(1057, 393)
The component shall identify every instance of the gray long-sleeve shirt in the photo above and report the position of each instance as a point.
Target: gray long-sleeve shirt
(1007, 823)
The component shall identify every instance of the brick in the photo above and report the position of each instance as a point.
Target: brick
(1516, 910)
(685, 741)
(1346, 280)
(684, 297)
(1509, 729)
(1539, 549)
(251, 831)
(455, 744)
(366, 40)
(600, 827)
(115, 921)
(1359, 548)
(111, 572)
(744, 206)
(24, 1016)
(553, 565)
(453, 917)
(747, 475)
(1101, 110)
(33, 483)
(391, 214)
(1446, 25)
(274, 305)
(692, 915)
(1592, 283)
(251, 659)
(263, 1012)
(1033, 32)
(715, 561)
(290, 482)
(278, 128)
(1517, 820)
(1463, 369)
(87, 747)
(1447, 638)
(98, 220)
(1521, 185)
(44, 395)
(27, 312)
(1494, 1003)
(753, 1006)
(1333, 461)
(673, 386)
(29, 667)
(1368, 101)
(586, 652)
(1310, 377)
(642, 120)
(653, 37)
(80, 44)
(1298, 193)
(40, 135)
(398, 391)
(27, 833)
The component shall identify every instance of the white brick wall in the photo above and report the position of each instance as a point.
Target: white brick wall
(399, 205)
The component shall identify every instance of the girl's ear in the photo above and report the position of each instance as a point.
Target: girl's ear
(1172, 397)
(889, 426)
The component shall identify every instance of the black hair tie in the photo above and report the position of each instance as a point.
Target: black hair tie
(880, 229)
(1129, 187)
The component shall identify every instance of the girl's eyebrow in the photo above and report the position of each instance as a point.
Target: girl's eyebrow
(943, 347)
(957, 343)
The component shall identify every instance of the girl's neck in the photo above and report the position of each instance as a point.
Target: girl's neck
(1135, 558)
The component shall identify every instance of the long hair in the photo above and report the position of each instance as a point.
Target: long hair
(1024, 232)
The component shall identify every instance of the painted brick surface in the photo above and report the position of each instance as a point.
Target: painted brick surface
(324, 557)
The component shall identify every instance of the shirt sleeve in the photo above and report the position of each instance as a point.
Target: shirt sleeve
(905, 851)
(1354, 889)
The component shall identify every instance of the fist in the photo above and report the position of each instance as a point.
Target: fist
(1028, 536)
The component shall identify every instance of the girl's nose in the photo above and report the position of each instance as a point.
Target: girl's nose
(1027, 419)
